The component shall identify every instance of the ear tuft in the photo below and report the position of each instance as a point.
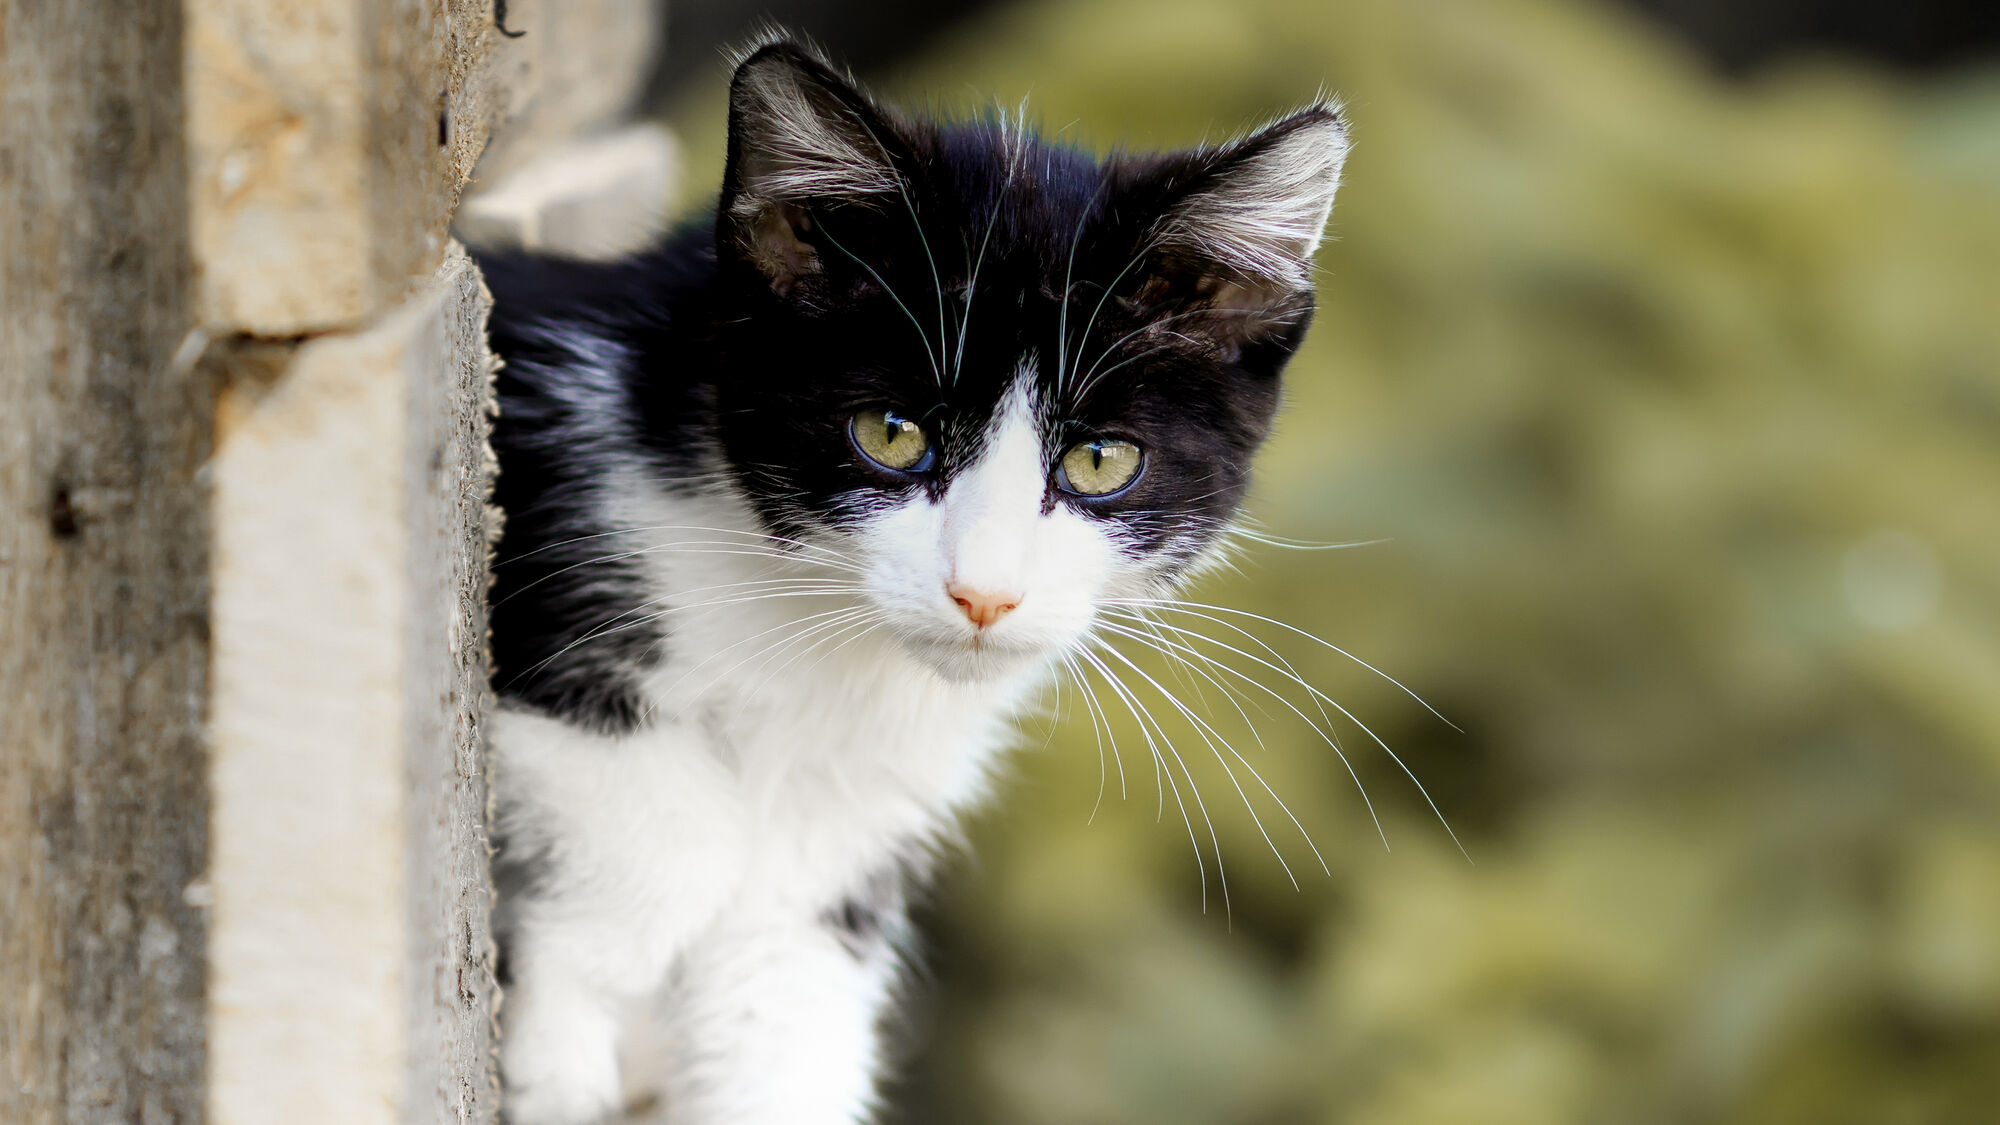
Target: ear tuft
(1258, 213)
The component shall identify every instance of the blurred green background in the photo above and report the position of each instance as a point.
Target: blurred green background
(1676, 400)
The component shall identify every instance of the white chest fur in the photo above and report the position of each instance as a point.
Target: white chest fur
(794, 752)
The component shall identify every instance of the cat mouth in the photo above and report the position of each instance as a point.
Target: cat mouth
(981, 655)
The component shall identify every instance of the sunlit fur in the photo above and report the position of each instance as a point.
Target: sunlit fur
(740, 700)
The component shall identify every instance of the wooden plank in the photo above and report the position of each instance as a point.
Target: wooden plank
(103, 572)
(328, 143)
(350, 968)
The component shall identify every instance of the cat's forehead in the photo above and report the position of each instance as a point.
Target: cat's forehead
(1030, 204)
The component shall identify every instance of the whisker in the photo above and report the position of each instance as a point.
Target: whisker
(1201, 725)
(867, 621)
(929, 354)
(801, 544)
(1261, 539)
(1095, 710)
(701, 547)
(1145, 715)
(641, 551)
(1211, 736)
(1181, 667)
(1365, 728)
(1326, 734)
(972, 285)
(807, 625)
(605, 628)
(1084, 338)
(1137, 711)
(1062, 316)
(1191, 609)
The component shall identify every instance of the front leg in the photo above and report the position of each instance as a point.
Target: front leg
(777, 1015)
(559, 1041)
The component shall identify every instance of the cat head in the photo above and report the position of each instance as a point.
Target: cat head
(1009, 380)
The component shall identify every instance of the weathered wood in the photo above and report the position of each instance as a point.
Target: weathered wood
(328, 141)
(103, 572)
(242, 860)
(350, 973)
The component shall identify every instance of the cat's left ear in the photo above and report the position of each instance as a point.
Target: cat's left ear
(1239, 234)
(801, 138)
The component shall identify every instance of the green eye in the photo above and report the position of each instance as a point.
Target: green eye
(1099, 468)
(891, 441)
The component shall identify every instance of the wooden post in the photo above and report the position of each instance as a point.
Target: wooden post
(243, 539)
(349, 969)
(104, 517)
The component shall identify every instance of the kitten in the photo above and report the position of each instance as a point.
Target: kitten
(802, 508)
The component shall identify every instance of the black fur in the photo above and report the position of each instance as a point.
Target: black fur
(875, 918)
(728, 364)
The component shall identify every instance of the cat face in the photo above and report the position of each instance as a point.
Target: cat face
(1006, 380)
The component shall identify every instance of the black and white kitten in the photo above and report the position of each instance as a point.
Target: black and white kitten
(802, 508)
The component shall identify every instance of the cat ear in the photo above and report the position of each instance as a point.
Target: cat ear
(800, 135)
(1241, 234)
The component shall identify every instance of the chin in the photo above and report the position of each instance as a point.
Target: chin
(962, 661)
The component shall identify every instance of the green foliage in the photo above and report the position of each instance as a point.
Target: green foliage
(1678, 405)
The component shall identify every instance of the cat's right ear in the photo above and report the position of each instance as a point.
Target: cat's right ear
(800, 136)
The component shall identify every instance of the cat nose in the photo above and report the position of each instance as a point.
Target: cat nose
(982, 607)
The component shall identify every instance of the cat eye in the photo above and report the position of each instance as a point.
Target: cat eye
(1098, 468)
(892, 441)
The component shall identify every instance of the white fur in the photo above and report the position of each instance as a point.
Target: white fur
(802, 145)
(707, 848)
(1264, 219)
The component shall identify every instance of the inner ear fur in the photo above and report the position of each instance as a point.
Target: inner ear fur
(1238, 237)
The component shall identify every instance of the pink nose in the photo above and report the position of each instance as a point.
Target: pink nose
(982, 607)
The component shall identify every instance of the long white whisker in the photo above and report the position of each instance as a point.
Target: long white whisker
(1194, 789)
(1095, 711)
(866, 621)
(770, 652)
(1211, 736)
(746, 640)
(1254, 772)
(1365, 729)
(831, 582)
(799, 543)
(1326, 734)
(1261, 539)
(1191, 609)
(1140, 715)
(1330, 733)
(612, 627)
